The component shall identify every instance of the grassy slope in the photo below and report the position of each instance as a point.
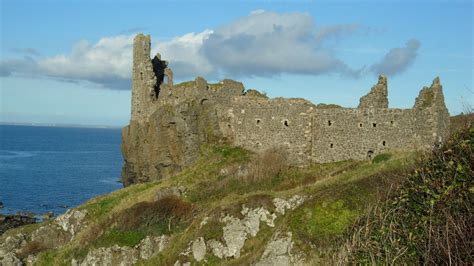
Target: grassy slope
(340, 191)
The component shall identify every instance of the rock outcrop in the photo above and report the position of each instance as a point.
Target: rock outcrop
(50, 235)
(125, 256)
(236, 231)
(11, 221)
(278, 252)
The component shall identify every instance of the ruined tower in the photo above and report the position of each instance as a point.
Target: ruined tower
(143, 78)
(378, 95)
(430, 113)
(147, 78)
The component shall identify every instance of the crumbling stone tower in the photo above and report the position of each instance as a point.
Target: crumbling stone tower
(147, 78)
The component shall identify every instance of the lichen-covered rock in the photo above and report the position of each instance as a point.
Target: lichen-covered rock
(235, 234)
(216, 247)
(199, 249)
(10, 259)
(61, 230)
(30, 260)
(71, 221)
(281, 205)
(111, 256)
(51, 236)
(237, 231)
(279, 251)
(152, 245)
(117, 255)
(11, 244)
(178, 263)
(253, 217)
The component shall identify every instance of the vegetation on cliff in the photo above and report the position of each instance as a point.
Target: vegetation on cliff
(398, 208)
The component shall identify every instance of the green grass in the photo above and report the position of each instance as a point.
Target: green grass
(102, 205)
(212, 230)
(381, 158)
(324, 219)
(232, 154)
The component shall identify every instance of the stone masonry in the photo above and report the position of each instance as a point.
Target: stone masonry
(170, 122)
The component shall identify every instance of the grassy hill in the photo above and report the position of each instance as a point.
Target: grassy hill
(233, 207)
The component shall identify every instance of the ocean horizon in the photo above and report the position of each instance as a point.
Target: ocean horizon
(52, 168)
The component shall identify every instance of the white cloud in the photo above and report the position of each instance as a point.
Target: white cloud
(397, 60)
(185, 56)
(267, 43)
(106, 63)
(260, 44)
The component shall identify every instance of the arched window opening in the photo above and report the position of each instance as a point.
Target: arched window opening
(370, 154)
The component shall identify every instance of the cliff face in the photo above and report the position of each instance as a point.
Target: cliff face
(169, 141)
(170, 122)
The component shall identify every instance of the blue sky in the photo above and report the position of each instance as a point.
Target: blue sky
(69, 61)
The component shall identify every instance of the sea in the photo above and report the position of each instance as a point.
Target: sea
(50, 169)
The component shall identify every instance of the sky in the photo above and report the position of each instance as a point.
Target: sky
(69, 62)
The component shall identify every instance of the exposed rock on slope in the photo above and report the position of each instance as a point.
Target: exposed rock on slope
(125, 256)
(48, 236)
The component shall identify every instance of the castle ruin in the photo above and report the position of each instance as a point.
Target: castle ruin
(170, 122)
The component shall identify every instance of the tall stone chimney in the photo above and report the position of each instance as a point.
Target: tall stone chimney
(143, 79)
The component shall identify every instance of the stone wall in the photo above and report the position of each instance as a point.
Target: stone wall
(170, 122)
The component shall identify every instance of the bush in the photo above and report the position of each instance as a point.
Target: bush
(162, 216)
(428, 220)
(32, 247)
(267, 165)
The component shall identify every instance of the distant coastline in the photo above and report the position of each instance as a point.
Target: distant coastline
(58, 125)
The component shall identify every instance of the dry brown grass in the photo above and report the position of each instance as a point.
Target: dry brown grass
(31, 248)
(267, 165)
(146, 214)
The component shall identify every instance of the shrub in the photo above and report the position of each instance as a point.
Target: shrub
(428, 220)
(162, 215)
(267, 165)
(32, 247)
